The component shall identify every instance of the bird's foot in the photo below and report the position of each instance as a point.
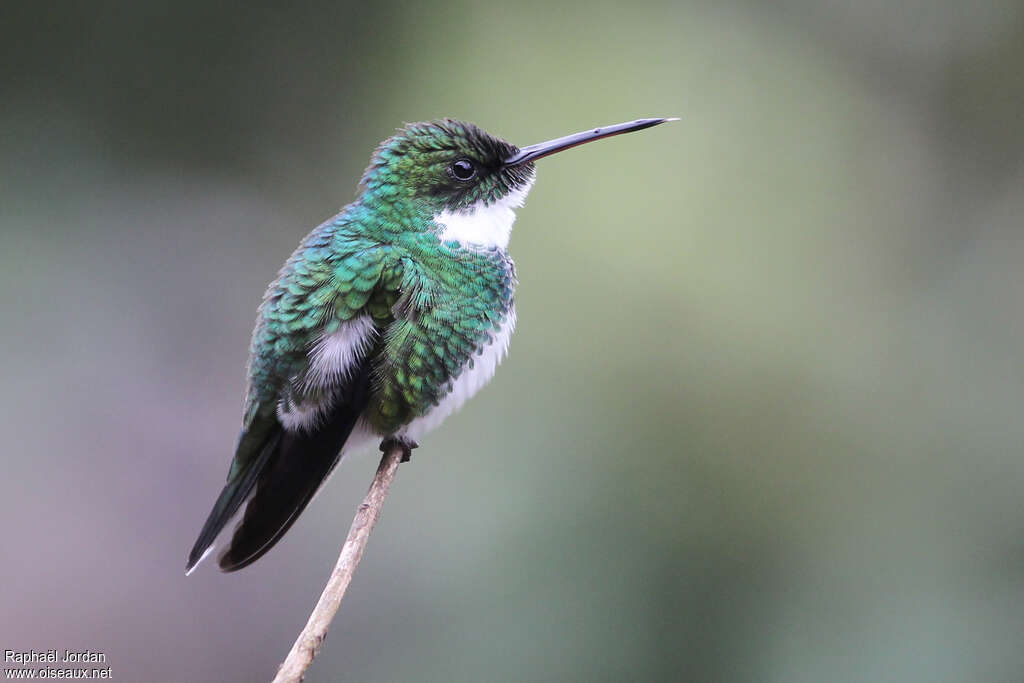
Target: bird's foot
(405, 443)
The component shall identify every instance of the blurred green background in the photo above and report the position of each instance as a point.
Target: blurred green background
(761, 418)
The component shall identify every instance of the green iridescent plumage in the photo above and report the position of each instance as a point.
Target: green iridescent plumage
(400, 309)
(413, 166)
(383, 255)
(383, 321)
(434, 304)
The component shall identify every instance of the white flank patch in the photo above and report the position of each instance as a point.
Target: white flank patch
(487, 225)
(302, 416)
(330, 361)
(334, 356)
(470, 381)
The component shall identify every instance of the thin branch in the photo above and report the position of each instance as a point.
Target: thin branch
(307, 645)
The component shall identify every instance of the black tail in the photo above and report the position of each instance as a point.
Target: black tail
(239, 485)
(289, 470)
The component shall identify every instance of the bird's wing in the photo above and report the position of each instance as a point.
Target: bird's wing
(442, 318)
(309, 377)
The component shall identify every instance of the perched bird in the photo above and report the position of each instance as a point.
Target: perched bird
(384, 321)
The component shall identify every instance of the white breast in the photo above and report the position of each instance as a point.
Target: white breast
(469, 381)
(486, 225)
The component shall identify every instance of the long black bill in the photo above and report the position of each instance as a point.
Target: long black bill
(543, 149)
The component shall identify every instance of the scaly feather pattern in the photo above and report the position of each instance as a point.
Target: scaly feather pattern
(384, 320)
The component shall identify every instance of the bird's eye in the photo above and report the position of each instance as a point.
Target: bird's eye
(462, 169)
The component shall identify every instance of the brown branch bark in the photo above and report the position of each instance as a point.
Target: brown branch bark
(307, 645)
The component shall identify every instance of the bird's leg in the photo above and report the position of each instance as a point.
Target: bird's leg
(403, 442)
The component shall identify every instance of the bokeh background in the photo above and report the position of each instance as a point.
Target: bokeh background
(761, 420)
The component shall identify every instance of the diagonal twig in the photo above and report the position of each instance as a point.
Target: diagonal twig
(307, 645)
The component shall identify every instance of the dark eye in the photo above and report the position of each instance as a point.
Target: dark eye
(462, 169)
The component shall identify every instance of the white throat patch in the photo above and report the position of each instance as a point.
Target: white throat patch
(484, 225)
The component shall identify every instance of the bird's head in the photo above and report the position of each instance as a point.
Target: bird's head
(468, 180)
(447, 165)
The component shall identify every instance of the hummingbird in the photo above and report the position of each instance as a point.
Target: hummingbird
(382, 323)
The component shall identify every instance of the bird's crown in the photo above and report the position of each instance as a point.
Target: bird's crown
(447, 164)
